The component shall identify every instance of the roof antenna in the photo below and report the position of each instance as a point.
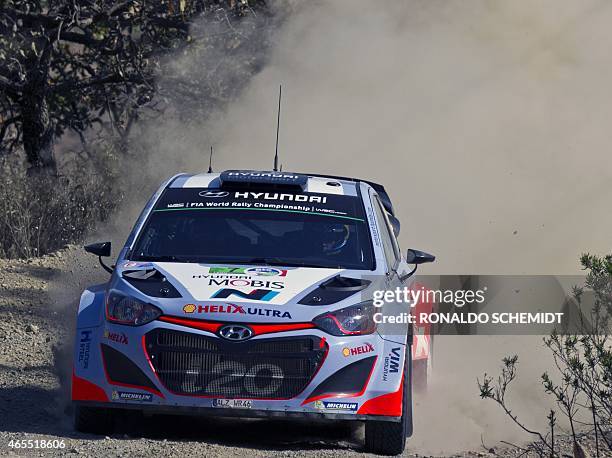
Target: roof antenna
(210, 170)
(280, 92)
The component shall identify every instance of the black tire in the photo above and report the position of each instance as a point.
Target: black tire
(389, 438)
(93, 420)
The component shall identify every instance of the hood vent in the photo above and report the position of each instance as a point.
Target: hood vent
(151, 282)
(334, 290)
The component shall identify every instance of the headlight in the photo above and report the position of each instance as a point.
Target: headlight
(354, 320)
(122, 309)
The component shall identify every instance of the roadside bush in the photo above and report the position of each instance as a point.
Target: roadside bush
(41, 214)
(581, 384)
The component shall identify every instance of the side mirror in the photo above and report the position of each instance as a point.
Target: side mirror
(418, 257)
(100, 249)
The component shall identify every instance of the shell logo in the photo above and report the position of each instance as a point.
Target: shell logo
(189, 308)
(346, 351)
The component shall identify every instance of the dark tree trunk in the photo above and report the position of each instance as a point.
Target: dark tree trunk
(36, 124)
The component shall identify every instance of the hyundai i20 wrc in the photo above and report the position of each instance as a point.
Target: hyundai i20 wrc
(249, 294)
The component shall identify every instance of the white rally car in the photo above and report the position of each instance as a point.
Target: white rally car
(249, 294)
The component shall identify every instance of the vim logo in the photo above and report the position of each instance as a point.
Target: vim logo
(391, 364)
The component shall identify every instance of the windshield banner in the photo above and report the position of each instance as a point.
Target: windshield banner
(331, 205)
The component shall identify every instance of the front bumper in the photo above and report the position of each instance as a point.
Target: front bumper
(234, 413)
(167, 368)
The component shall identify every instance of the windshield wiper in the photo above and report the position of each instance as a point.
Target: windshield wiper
(265, 261)
(163, 258)
(282, 262)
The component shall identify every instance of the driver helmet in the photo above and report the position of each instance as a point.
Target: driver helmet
(334, 237)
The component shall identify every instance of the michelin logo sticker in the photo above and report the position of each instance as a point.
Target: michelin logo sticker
(332, 405)
(130, 396)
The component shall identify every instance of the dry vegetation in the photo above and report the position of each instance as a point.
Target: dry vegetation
(580, 383)
(76, 82)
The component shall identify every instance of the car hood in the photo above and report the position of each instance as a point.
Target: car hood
(236, 283)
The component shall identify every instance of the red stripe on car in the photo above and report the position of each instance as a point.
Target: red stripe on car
(214, 326)
(389, 404)
(84, 390)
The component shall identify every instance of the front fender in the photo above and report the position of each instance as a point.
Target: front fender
(87, 367)
(91, 307)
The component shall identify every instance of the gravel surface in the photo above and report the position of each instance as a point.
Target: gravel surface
(37, 309)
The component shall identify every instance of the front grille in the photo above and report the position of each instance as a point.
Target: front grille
(197, 365)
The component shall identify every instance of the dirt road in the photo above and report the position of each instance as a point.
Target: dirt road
(36, 309)
(37, 303)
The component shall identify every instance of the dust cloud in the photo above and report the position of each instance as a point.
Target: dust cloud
(482, 119)
(488, 123)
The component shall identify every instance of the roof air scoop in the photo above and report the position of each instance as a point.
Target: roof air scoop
(232, 179)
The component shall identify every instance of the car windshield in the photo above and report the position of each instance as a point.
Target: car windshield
(247, 227)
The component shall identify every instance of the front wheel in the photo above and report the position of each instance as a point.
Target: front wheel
(389, 438)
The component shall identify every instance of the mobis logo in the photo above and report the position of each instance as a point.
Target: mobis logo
(278, 196)
(242, 282)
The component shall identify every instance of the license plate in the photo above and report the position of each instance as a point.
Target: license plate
(233, 403)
